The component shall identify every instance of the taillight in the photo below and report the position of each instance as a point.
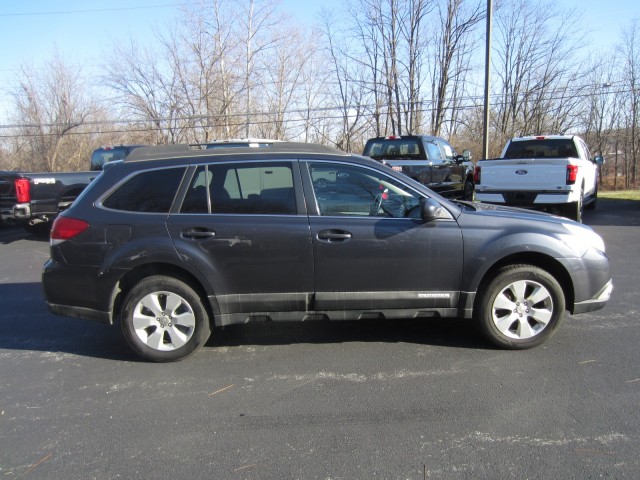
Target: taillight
(23, 190)
(476, 175)
(572, 174)
(65, 228)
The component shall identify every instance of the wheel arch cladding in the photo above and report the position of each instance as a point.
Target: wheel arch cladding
(536, 259)
(134, 276)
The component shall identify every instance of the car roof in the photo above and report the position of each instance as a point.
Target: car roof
(542, 137)
(170, 152)
(400, 137)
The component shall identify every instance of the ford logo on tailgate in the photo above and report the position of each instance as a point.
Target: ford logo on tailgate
(521, 172)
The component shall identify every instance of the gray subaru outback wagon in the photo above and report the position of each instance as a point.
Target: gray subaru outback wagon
(173, 242)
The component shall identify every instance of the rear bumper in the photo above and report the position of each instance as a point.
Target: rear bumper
(17, 213)
(80, 312)
(526, 199)
(79, 291)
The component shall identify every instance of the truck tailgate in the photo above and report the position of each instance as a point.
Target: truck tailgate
(537, 174)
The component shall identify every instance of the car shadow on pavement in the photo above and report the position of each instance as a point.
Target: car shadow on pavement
(13, 233)
(447, 332)
(27, 325)
(617, 213)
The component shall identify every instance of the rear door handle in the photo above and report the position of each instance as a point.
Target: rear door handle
(197, 233)
(334, 236)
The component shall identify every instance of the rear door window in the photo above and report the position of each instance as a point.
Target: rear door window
(249, 188)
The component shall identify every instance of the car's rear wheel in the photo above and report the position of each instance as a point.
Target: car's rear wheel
(521, 307)
(164, 319)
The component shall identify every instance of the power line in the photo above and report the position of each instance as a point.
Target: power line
(66, 12)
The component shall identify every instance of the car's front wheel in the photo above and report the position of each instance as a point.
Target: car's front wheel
(521, 307)
(164, 319)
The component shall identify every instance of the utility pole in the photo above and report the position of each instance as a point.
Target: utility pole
(487, 78)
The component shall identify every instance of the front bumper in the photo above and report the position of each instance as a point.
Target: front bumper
(595, 303)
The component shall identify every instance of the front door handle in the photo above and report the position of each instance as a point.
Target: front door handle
(197, 233)
(334, 236)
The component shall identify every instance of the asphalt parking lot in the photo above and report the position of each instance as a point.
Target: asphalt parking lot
(384, 400)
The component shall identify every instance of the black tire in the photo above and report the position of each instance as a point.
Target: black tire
(505, 311)
(164, 319)
(468, 190)
(594, 200)
(39, 229)
(576, 209)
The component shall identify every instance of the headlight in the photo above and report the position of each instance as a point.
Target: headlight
(582, 238)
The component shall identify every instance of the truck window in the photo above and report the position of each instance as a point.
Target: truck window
(433, 151)
(101, 156)
(393, 147)
(549, 148)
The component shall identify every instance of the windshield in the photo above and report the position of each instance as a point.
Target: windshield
(393, 148)
(549, 148)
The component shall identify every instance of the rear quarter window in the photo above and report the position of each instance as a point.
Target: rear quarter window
(151, 191)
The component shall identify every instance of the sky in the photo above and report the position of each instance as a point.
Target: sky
(84, 31)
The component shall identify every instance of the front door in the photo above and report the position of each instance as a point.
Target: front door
(372, 251)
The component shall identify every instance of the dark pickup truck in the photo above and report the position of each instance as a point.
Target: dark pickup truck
(35, 199)
(430, 160)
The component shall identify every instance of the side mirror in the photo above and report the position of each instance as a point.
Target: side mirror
(460, 160)
(599, 159)
(431, 210)
(467, 155)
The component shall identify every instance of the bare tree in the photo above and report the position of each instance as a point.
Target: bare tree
(536, 68)
(452, 51)
(148, 90)
(49, 106)
(630, 51)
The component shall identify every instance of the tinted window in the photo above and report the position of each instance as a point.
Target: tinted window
(196, 199)
(433, 151)
(551, 148)
(102, 156)
(251, 188)
(449, 151)
(393, 147)
(345, 190)
(151, 191)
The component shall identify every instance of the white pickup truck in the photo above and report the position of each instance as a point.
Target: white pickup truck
(554, 173)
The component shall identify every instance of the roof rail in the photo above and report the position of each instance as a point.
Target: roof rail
(197, 150)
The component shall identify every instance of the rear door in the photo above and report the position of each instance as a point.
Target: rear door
(244, 226)
(371, 249)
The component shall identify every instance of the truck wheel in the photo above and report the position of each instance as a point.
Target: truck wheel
(594, 200)
(468, 190)
(164, 319)
(39, 229)
(521, 307)
(575, 209)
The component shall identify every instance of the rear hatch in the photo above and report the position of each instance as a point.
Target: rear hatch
(533, 174)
